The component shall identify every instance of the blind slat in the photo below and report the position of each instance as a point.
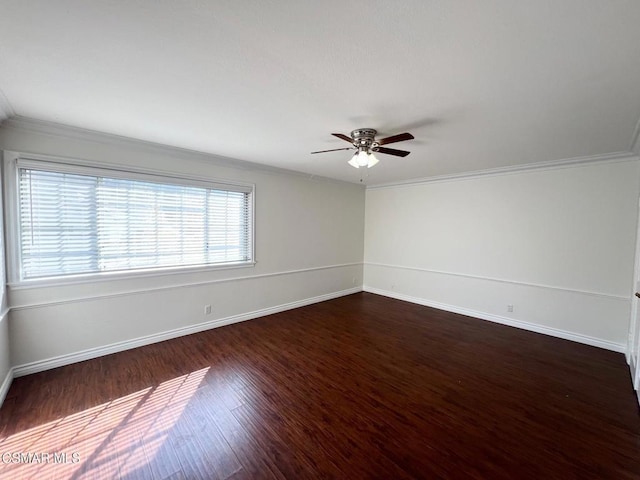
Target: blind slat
(76, 223)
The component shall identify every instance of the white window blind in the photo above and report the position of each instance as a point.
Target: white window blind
(74, 223)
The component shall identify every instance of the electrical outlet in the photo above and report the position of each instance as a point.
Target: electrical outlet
(207, 309)
(509, 308)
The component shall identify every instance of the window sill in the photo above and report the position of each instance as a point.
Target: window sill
(122, 275)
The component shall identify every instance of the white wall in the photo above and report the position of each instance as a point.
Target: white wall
(308, 247)
(557, 244)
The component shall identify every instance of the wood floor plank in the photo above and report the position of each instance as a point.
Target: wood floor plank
(357, 387)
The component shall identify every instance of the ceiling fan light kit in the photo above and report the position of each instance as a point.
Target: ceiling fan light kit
(362, 158)
(365, 143)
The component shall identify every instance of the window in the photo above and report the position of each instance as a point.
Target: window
(82, 220)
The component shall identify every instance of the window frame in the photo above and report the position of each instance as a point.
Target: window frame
(13, 161)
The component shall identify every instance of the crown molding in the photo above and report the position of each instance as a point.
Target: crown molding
(6, 110)
(9, 120)
(527, 167)
(44, 127)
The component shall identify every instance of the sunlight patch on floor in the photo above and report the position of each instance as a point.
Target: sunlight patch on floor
(110, 440)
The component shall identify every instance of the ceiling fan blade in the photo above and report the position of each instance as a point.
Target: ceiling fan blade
(392, 151)
(395, 138)
(343, 137)
(333, 150)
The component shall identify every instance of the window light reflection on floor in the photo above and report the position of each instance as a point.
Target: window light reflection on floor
(106, 441)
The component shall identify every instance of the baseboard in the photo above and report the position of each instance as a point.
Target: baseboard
(42, 365)
(532, 327)
(6, 384)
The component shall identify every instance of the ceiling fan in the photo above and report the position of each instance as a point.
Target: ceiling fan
(365, 143)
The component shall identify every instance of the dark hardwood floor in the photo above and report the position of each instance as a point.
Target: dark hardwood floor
(358, 387)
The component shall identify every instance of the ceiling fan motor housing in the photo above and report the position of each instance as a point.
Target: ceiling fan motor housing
(364, 138)
(364, 141)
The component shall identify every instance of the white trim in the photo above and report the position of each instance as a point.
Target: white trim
(83, 166)
(100, 277)
(501, 280)
(6, 110)
(172, 287)
(67, 131)
(532, 327)
(10, 202)
(508, 170)
(12, 161)
(6, 384)
(41, 365)
(633, 319)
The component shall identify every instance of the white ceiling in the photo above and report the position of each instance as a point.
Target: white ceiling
(480, 84)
